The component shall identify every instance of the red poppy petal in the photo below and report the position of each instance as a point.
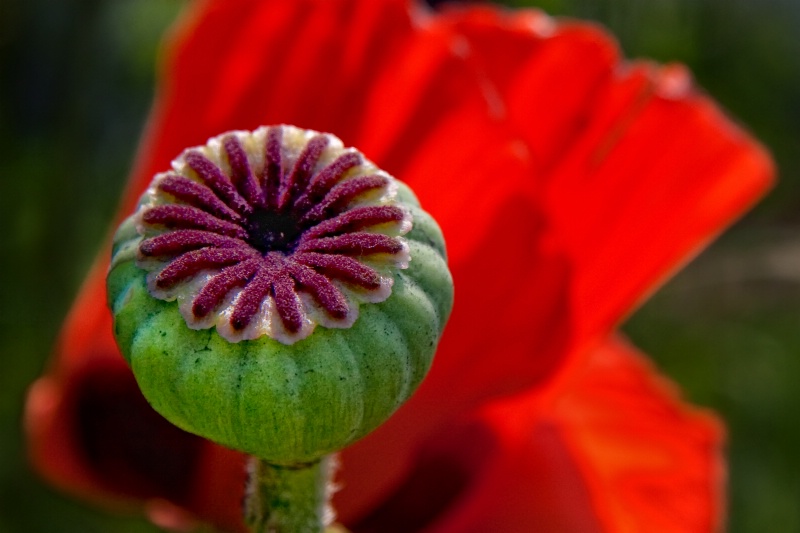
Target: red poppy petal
(523, 66)
(675, 170)
(241, 64)
(613, 450)
(636, 137)
(630, 431)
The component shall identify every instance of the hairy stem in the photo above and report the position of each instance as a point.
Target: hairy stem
(289, 499)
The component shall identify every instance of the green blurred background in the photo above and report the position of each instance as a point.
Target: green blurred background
(76, 78)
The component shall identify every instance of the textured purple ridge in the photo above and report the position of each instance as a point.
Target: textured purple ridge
(297, 180)
(191, 192)
(221, 184)
(341, 267)
(353, 220)
(190, 217)
(320, 287)
(342, 194)
(190, 263)
(353, 244)
(253, 294)
(178, 242)
(242, 176)
(216, 289)
(323, 181)
(273, 171)
(272, 232)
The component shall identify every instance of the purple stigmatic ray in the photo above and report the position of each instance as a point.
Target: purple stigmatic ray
(355, 219)
(191, 263)
(298, 218)
(273, 169)
(179, 242)
(341, 267)
(193, 193)
(353, 244)
(342, 194)
(326, 179)
(220, 285)
(178, 217)
(221, 184)
(298, 178)
(321, 288)
(252, 296)
(242, 174)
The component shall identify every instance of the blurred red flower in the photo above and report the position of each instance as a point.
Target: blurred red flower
(568, 183)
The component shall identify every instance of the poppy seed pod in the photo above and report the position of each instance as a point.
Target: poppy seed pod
(277, 293)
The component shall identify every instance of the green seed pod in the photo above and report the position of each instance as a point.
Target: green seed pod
(278, 294)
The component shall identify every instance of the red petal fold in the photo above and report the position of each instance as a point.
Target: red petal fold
(676, 171)
(650, 461)
(611, 450)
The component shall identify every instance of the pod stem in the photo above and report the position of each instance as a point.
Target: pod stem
(289, 499)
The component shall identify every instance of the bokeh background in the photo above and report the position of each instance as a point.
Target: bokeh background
(76, 79)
